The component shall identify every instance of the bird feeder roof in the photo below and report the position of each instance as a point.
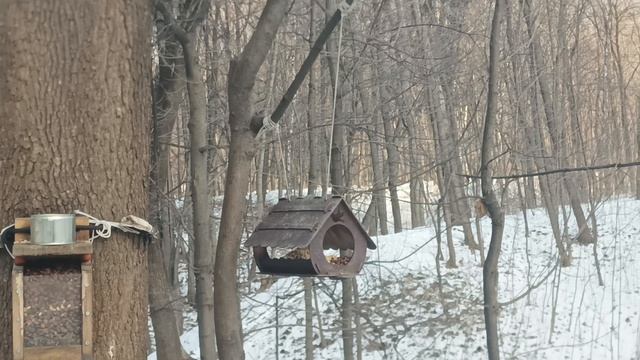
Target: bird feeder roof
(295, 223)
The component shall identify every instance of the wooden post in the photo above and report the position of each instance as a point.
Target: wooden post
(87, 311)
(18, 312)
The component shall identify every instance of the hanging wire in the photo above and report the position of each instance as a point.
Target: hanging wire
(284, 165)
(335, 100)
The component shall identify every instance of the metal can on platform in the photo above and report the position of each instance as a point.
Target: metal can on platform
(53, 229)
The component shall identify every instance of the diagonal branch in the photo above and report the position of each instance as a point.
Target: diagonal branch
(559, 171)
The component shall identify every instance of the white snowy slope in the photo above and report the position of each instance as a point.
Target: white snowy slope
(567, 316)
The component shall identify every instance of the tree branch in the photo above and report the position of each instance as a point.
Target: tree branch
(558, 171)
(244, 69)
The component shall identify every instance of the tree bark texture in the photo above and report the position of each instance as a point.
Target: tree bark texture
(75, 108)
(242, 76)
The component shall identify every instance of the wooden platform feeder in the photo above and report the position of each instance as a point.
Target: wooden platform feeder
(323, 238)
(52, 289)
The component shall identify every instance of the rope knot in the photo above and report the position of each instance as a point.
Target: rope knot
(346, 8)
(267, 126)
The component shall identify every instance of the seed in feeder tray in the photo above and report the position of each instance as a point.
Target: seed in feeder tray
(299, 254)
(338, 260)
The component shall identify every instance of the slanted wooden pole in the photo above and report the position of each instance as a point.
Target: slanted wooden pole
(287, 98)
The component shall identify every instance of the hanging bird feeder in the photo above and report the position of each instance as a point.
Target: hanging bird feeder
(310, 237)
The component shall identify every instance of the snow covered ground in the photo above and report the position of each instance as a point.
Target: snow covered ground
(567, 316)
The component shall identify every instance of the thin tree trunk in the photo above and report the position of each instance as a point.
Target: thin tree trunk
(378, 198)
(638, 146)
(308, 318)
(358, 327)
(416, 186)
(451, 261)
(584, 233)
(377, 156)
(442, 187)
(164, 310)
(315, 157)
(490, 269)
(393, 159)
(534, 144)
(242, 76)
(204, 247)
(369, 220)
(323, 341)
(338, 177)
(347, 318)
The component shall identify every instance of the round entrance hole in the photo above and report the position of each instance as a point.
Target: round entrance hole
(338, 245)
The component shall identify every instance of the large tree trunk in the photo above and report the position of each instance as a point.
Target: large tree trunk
(242, 76)
(76, 110)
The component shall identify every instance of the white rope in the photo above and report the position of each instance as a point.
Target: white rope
(129, 224)
(345, 8)
(284, 165)
(335, 100)
(102, 228)
(269, 125)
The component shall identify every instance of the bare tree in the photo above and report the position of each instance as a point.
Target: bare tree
(204, 247)
(242, 76)
(553, 125)
(490, 268)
